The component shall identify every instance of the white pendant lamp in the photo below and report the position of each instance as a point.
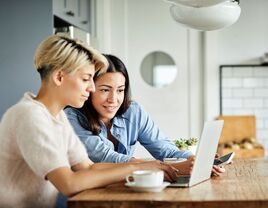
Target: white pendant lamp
(205, 15)
(196, 3)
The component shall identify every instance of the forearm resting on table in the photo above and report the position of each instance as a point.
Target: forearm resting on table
(71, 182)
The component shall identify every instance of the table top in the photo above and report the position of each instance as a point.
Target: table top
(244, 184)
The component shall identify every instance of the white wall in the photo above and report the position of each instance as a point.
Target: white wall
(131, 29)
(242, 43)
(245, 92)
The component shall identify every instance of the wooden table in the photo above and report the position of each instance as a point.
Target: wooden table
(245, 184)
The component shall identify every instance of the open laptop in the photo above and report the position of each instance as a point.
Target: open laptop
(205, 155)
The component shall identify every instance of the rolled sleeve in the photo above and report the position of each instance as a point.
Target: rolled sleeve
(155, 141)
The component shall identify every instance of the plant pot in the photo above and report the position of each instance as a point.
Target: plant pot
(192, 149)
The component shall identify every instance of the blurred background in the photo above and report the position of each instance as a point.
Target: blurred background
(181, 76)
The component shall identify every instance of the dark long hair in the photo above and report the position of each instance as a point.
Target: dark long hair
(115, 65)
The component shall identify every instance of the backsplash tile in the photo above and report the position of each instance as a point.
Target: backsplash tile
(244, 91)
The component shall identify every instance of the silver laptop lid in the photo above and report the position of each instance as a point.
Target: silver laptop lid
(206, 151)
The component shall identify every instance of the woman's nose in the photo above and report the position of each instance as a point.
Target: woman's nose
(91, 87)
(112, 97)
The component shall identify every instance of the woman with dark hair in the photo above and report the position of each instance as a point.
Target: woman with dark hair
(92, 115)
(109, 123)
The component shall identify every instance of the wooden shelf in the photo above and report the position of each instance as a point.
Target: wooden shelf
(235, 130)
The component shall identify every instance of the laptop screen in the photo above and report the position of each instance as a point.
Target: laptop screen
(207, 148)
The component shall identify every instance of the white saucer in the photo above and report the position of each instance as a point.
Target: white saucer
(146, 188)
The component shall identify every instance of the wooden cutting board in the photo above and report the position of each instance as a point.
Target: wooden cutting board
(237, 128)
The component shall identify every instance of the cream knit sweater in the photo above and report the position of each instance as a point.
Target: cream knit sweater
(33, 143)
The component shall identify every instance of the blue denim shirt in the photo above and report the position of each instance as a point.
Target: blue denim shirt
(135, 125)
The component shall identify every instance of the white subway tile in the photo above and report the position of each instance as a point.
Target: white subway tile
(232, 82)
(245, 92)
(265, 141)
(227, 111)
(261, 92)
(243, 111)
(242, 92)
(266, 103)
(262, 134)
(266, 124)
(227, 72)
(253, 103)
(227, 92)
(261, 113)
(259, 123)
(260, 71)
(232, 103)
(266, 82)
(253, 82)
(242, 72)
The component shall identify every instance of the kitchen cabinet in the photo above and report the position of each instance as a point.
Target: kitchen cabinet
(74, 12)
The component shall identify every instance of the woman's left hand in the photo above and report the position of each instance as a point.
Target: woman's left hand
(217, 170)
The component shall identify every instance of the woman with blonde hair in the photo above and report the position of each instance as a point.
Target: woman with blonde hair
(40, 155)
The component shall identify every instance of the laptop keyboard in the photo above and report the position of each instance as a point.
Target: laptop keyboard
(183, 179)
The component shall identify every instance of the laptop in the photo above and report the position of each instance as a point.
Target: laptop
(205, 155)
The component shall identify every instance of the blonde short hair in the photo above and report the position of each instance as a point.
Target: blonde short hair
(62, 52)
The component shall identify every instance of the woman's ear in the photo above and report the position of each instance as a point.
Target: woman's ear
(57, 77)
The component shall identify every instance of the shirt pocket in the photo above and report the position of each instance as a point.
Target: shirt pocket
(131, 148)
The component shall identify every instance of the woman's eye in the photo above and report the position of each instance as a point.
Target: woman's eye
(86, 79)
(121, 90)
(104, 90)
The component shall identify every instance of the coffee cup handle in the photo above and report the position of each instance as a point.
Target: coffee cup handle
(128, 179)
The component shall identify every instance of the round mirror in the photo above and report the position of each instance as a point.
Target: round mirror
(158, 69)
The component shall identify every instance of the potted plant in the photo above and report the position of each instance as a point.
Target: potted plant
(187, 144)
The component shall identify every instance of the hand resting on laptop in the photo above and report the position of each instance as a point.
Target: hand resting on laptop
(185, 167)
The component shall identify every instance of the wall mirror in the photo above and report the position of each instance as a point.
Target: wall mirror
(158, 69)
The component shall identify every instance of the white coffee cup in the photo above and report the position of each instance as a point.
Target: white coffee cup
(146, 178)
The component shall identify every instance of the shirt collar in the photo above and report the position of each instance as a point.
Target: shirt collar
(119, 121)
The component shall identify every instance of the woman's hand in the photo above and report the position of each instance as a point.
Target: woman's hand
(170, 172)
(217, 170)
(185, 167)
